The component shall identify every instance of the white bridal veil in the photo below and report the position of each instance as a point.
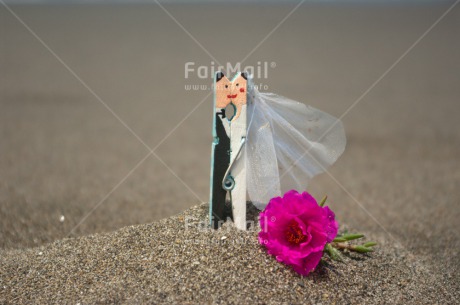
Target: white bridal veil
(287, 144)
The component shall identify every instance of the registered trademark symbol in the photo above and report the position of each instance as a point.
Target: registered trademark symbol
(273, 64)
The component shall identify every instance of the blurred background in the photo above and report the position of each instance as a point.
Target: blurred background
(88, 89)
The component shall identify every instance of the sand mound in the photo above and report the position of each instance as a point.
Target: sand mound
(175, 261)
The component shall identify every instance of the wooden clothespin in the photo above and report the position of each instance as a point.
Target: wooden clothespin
(228, 170)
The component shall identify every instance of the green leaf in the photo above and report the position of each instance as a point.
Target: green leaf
(323, 201)
(370, 244)
(333, 253)
(362, 249)
(352, 236)
(339, 240)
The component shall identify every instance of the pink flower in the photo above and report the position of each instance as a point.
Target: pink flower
(295, 230)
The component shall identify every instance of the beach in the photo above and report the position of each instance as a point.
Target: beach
(168, 262)
(104, 146)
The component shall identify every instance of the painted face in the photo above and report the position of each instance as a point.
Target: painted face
(238, 93)
(223, 87)
(231, 92)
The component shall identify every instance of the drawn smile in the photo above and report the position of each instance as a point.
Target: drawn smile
(232, 96)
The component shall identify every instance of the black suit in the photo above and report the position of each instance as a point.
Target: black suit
(221, 162)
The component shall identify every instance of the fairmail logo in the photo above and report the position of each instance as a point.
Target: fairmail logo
(259, 71)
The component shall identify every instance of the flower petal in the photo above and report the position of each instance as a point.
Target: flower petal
(332, 226)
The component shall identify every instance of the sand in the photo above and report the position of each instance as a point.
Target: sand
(62, 153)
(176, 260)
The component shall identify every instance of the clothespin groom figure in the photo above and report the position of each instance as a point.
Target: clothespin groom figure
(228, 174)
